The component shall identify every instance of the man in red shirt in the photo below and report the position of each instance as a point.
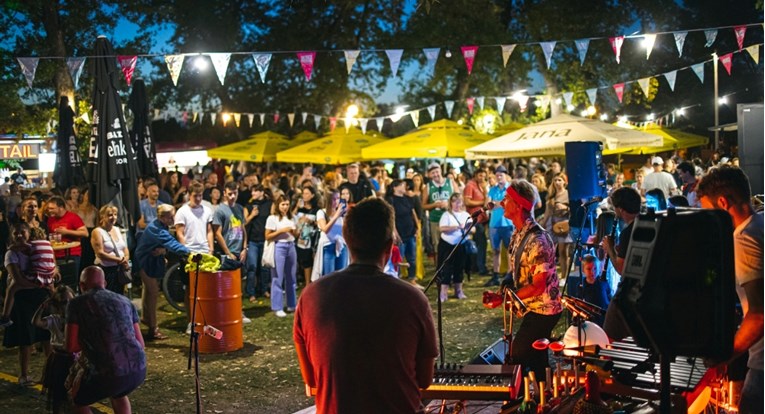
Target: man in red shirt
(475, 199)
(69, 226)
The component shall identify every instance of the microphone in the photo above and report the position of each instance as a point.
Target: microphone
(587, 306)
(482, 210)
(592, 201)
(575, 310)
(196, 257)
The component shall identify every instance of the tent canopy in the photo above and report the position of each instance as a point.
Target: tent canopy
(261, 147)
(338, 147)
(673, 139)
(550, 136)
(440, 139)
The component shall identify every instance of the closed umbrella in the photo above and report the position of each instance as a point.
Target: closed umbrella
(140, 135)
(338, 147)
(69, 170)
(440, 139)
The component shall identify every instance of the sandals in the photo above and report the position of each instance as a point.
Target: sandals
(156, 336)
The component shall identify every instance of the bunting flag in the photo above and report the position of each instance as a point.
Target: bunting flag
(470, 103)
(592, 94)
(127, 64)
(185, 118)
(379, 122)
(754, 51)
(347, 122)
(567, 98)
(543, 101)
(250, 119)
(276, 118)
(237, 119)
(415, 117)
(740, 32)
(220, 64)
(581, 46)
(547, 49)
(698, 69)
(262, 60)
(469, 52)
(671, 77)
(363, 124)
(680, 41)
(727, 60)
(332, 123)
(480, 101)
(648, 41)
(644, 84)
(213, 116)
(619, 89)
(75, 66)
(507, 50)
(350, 59)
(431, 54)
(616, 46)
(523, 100)
(174, 64)
(449, 105)
(306, 60)
(394, 57)
(316, 120)
(432, 112)
(194, 117)
(291, 118)
(710, 35)
(500, 100)
(262, 118)
(304, 116)
(29, 67)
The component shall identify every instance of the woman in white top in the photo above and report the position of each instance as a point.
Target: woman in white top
(282, 229)
(332, 253)
(452, 225)
(110, 248)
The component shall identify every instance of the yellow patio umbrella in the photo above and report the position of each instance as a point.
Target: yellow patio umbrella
(673, 139)
(261, 147)
(303, 137)
(337, 147)
(440, 139)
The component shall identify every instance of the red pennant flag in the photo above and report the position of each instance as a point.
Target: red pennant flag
(740, 32)
(306, 62)
(468, 52)
(127, 63)
(470, 103)
(332, 123)
(276, 118)
(726, 61)
(616, 46)
(619, 89)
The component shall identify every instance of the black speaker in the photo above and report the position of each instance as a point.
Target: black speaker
(493, 355)
(750, 144)
(584, 166)
(678, 295)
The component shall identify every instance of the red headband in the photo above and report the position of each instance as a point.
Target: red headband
(524, 203)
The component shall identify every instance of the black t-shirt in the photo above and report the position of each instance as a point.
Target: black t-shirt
(361, 190)
(403, 207)
(256, 230)
(624, 241)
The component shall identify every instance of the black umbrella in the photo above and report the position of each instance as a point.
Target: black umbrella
(140, 135)
(112, 163)
(69, 169)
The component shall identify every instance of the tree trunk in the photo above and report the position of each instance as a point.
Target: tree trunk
(54, 38)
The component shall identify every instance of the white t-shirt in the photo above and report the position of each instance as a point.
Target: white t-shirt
(273, 223)
(335, 232)
(195, 222)
(109, 247)
(661, 180)
(748, 253)
(447, 220)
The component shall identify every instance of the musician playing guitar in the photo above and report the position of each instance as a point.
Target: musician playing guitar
(532, 261)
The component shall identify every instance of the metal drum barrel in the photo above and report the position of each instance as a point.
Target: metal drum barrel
(219, 304)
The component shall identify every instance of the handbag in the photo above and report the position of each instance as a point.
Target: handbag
(124, 276)
(470, 247)
(561, 228)
(269, 251)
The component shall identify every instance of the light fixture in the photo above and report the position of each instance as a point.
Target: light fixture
(569, 108)
(351, 111)
(591, 110)
(680, 112)
(200, 63)
(448, 53)
(623, 118)
(650, 117)
(584, 114)
(604, 117)
(722, 100)
(397, 113)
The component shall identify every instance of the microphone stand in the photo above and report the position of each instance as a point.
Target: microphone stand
(577, 252)
(194, 337)
(437, 278)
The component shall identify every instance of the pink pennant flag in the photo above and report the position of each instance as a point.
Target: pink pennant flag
(469, 52)
(276, 118)
(306, 62)
(332, 123)
(616, 46)
(727, 61)
(619, 89)
(127, 63)
(470, 104)
(740, 33)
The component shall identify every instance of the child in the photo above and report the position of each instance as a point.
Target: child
(594, 290)
(58, 362)
(42, 273)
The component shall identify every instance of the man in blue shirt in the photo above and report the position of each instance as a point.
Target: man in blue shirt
(500, 227)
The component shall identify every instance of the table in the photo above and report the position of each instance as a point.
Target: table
(69, 275)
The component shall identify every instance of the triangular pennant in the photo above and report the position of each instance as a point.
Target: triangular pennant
(332, 123)
(644, 84)
(350, 59)
(547, 49)
(468, 53)
(291, 118)
(523, 100)
(449, 106)
(213, 116)
(250, 119)
(262, 60)
(415, 117)
(619, 89)
(727, 61)
(194, 117)
(710, 35)
(185, 118)
(394, 56)
(29, 67)
(316, 120)
(581, 46)
(470, 103)
(698, 69)
(592, 94)
(500, 100)
(174, 64)
(304, 116)
(543, 101)
(480, 101)
(220, 63)
(347, 122)
(306, 60)
(671, 77)
(754, 51)
(363, 124)
(431, 54)
(201, 116)
(616, 46)
(680, 41)
(648, 41)
(567, 98)
(379, 122)
(276, 118)
(127, 64)
(75, 66)
(432, 112)
(237, 119)
(740, 32)
(262, 118)
(507, 50)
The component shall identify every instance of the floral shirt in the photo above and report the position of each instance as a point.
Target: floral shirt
(538, 255)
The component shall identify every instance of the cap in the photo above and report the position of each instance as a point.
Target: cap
(501, 169)
(433, 166)
(657, 160)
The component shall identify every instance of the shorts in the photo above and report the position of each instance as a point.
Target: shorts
(95, 388)
(304, 257)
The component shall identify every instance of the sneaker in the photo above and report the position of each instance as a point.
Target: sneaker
(280, 313)
(253, 299)
(188, 329)
(5, 322)
(492, 282)
(245, 319)
(290, 310)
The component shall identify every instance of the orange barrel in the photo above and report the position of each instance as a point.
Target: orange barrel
(219, 304)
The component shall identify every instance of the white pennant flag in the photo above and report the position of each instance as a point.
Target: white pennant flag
(592, 94)
(711, 36)
(644, 85)
(156, 114)
(431, 54)
(363, 124)
(671, 76)
(680, 41)
(698, 69)
(29, 67)
(379, 121)
(394, 56)
(237, 119)
(213, 116)
(547, 49)
(75, 66)
(581, 46)
(507, 50)
(754, 52)
(347, 122)
(543, 101)
(174, 64)
(250, 118)
(350, 59)
(220, 64)
(648, 41)
(432, 112)
(449, 105)
(316, 121)
(523, 100)
(567, 98)
(262, 118)
(304, 116)
(415, 117)
(194, 117)
(480, 101)
(262, 60)
(291, 118)
(500, 100)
